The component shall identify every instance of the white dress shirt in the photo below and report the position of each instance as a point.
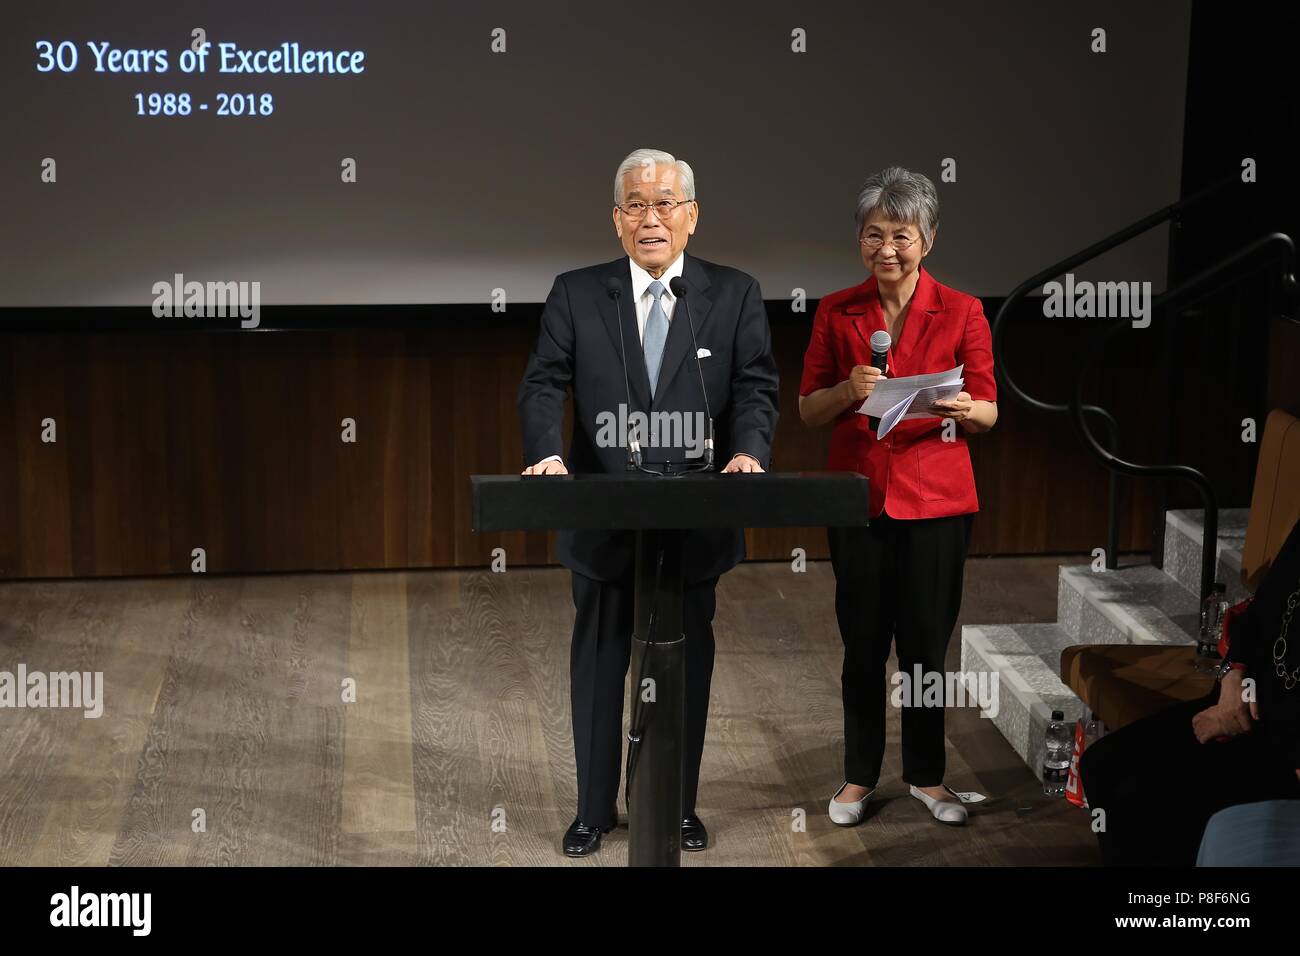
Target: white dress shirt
(641, 292)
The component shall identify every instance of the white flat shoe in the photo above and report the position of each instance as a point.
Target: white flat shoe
(848, 814)
(945, 811)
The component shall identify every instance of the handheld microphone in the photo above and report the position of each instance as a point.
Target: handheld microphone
(679, 289)
(880, 343)
(614, 289)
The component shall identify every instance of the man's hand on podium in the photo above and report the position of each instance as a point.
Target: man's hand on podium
(742, 463)
(551, 466)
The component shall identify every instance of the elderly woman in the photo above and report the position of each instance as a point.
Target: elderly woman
(899, 580)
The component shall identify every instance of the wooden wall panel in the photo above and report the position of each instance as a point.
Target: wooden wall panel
(231, 442)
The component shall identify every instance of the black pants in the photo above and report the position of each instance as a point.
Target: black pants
(895, 581)
(598, 662)
(1158, 786)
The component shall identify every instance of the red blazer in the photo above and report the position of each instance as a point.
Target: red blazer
(913, 472)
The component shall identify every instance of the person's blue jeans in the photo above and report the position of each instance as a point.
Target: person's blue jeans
(1253, 834)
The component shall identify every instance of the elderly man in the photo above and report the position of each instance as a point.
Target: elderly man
(585, 347)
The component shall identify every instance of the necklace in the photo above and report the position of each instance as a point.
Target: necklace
(1289, 679)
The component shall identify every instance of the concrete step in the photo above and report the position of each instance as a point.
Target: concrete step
(1184, 532)
(1136, 604)
(1027, 660)
(1139, 604)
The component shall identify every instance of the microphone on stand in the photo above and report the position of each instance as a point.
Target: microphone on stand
(880, 343)
(679, 288)
(614, 289)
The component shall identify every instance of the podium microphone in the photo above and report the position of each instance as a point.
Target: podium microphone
(614, 289)
(880, 343)
(680, 288)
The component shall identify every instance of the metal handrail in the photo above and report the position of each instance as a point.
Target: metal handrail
(1188, 290)
(1051, 272)
(1091, 252)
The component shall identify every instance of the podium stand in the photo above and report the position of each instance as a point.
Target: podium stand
(661, 510)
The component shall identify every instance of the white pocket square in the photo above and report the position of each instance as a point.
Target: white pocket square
(703, 353)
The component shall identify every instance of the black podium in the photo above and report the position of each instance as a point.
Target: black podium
(659, 510)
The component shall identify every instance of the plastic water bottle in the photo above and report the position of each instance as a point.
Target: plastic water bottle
(1213, 608)
(1091, 731)
(1057, 751)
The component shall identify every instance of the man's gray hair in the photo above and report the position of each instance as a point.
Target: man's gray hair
(903, 196)
(647, 160)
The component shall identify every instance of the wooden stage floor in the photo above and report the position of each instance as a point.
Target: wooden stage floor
(223, 705)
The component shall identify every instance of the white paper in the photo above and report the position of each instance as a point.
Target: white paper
(900, 399)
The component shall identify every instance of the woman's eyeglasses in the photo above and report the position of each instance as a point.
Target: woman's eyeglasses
(901, 244)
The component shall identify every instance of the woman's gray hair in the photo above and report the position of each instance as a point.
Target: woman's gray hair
(641, 159)
(903, 196)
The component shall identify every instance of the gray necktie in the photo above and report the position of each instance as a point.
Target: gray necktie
(656, 334)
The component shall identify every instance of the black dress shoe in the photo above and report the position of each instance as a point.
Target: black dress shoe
(694, 836)
(582, 840)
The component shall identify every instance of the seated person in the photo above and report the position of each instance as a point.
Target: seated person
(1160, 779)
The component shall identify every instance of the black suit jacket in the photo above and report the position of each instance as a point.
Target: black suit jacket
(578, 351)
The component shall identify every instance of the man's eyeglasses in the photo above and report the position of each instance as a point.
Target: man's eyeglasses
(663, 208)
(901, 244)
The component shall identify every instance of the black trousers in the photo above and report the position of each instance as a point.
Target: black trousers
(598, 663)
(896, 581)
(1158, 786)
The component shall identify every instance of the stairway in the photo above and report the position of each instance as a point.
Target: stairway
(1139, 604)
